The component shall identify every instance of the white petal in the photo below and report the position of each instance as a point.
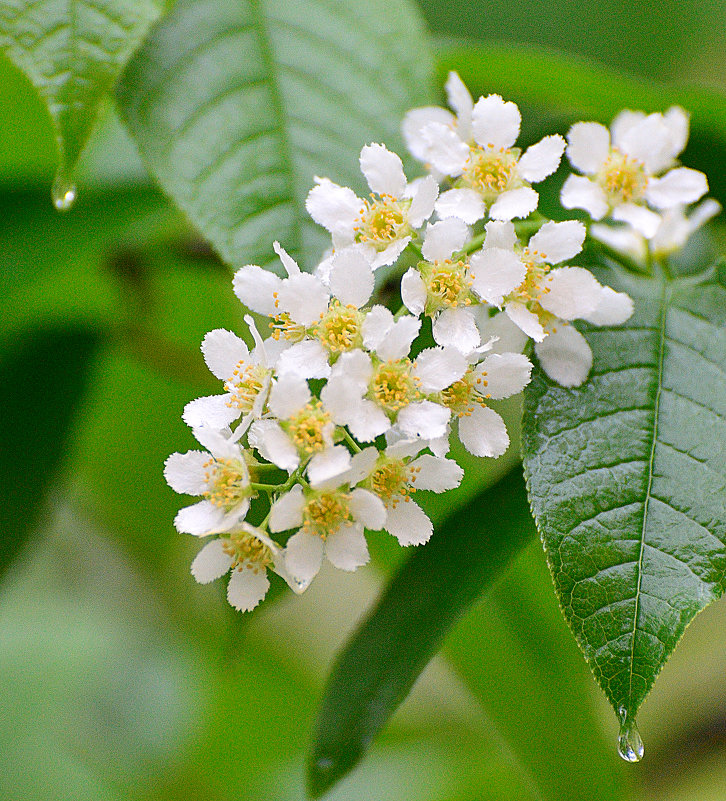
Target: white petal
(247, 587)
(199, 519)
(437, 475)
(677, 121)
(304, 297)
(505, 374)
(558, 242)
(333, 206)
(613, 308)
(217, 442)
(623, 238)
(347, 548)
(423, 201)
(457, 328)
(573, 292)
(215, 411)
(677, 187)
(417, 119)
(495, 273)
(408, 523)
(542, 159)
(223, 351)
(368, 422)
(483, 432)
(506, 335)
(255, 287)
(291, 266)
(466, 204)
(397, 343)
(288, 395)
(355, 367)
(588, 146)
(440, 445)
(287, 510)
(303, 556)
(650, 141)
(565, 356)
(390, 254)
(500, 235)
(342, 398)
(438, 368)
(461, 101)
(495, 122)
(624, 121)
(443, 238)
(643, 220)
(383, 170)
(424, 419)
(185, 472)
(413, 291)
(376, 326)
(514, 203)
(444, 149)
(307, 359)
(274, 444)
(368, 508)
(211, 562)
(361, 465)
(528, 321)
(351, 277)
(579, 192)
(328, 465)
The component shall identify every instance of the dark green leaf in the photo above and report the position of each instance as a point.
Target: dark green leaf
(73, 51)
(627, 481)
(42, 380)
(398, 638)
(237, 104)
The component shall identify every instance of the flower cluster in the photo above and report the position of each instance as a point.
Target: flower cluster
(333, 421)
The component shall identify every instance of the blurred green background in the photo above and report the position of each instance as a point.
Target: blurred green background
(123, 679)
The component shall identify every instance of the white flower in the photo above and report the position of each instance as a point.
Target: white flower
(330, 522)
(319, 313)
(302, 432)
(383, 225)
(248, 552)
(441, 287)
(221, 476)
(393, 476)
(631, 167)
(477, 149)
(246, 379)
(368, 394)
(500, 375)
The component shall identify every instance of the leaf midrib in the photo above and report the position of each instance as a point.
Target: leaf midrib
(664, 298)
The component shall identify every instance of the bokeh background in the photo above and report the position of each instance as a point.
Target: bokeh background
(120, 677)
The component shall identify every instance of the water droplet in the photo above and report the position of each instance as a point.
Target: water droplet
(630, 746)
(324, 764)
(63, 193)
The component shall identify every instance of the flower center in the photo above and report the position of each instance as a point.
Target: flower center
(247, 551)
(465, 394)
(308, 428)
(340, 328)
(284, 326)
(228, 482)
(491, 171)
(393, 480)
(531, 288)
(623, 178)
(326, 512)
(382, 221)
(447, 284)
(393, 386)
(247, 383)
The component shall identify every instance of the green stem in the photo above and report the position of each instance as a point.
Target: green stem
(353, 444)
(266, 487)
(400, 313)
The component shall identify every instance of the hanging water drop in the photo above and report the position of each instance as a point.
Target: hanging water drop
(63, 193)
(630, 746)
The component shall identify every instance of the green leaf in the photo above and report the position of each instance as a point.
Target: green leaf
(569, 88)
(627, 481)
(73, 51)
(398, 638)
(42, 381)
(237, 104)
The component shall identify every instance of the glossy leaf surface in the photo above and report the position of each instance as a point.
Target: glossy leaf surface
(627, 480)
(236, 105)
